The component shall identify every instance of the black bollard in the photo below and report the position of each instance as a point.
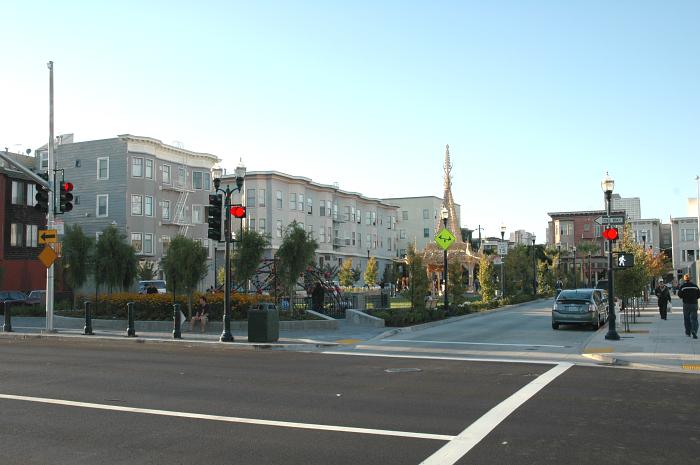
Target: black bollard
(177, 333)
(7, 327)
(131, 329)
(88, 320)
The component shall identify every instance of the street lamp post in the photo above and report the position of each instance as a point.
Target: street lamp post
(503, 233)
(534, 268)
(226, 335)
(444, 214)
(607, 184)
(558, 261)
(575, 277)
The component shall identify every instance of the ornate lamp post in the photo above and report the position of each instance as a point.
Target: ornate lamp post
(534, 268)
(607, 184)
(444, 214)
(575, 276)
(226, 335)
(503, 233)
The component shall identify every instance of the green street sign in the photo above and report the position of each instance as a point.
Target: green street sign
(444, 239)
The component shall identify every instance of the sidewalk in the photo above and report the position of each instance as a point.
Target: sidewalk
(650, 342)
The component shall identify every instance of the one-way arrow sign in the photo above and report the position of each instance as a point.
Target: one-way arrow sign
(610, 220)
(48, 236)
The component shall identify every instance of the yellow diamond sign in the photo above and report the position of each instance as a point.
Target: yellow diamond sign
(47, 256)
(444, 239)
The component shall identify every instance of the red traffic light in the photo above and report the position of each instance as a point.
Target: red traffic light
(238, 211)
(66, 186)
(610, 234)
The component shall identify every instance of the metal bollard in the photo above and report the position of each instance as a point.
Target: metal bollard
(131, 329)
(88, 320)
(177, 333)
(7, 327)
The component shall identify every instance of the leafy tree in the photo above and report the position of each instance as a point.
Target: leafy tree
(455, 283)
(371, 272)
(77, 257)
(115, 261)
(295, 253)
(356, 274)
(486, 281)
(249, 254)
(146, 270)
(389, 275)
(346, 275)
(221, 275)
(518, 270)
(185, 266)
(418, 284)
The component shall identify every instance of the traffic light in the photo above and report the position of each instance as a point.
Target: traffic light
(214, 217)
(238, 211)
(42, 196)
(610, 234)
(66, 197)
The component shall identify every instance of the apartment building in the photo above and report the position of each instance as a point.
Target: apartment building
(684, 238)
(419, 220)
(148, 190)
(19, 228)
(647, 232)
(346, 225)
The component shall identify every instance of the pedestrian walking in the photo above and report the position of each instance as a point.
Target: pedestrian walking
(689, 292)
(662, 293)
(317, 296)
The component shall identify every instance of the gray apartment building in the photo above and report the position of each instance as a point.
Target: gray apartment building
(148, 190)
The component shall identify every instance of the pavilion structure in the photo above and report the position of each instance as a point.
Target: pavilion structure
(460, 252)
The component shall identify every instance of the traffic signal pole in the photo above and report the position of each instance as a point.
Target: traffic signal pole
(50, 213)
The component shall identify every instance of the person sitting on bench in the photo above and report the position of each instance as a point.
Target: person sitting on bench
(202, 315)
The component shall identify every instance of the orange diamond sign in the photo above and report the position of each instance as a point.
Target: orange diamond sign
(47, 256)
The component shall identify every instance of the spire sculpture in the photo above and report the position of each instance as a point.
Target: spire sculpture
(447, 199)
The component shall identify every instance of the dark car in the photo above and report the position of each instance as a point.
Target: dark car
(15, 297)
(580, 306)
(36, 297)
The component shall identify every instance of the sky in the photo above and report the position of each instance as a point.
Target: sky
(536, 99)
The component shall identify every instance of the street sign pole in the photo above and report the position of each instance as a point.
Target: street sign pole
(50, 214)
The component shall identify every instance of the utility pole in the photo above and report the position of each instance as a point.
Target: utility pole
(50, 214)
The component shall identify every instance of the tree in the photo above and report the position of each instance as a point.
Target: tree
(418, 284)
(486, 281)
(345, 277)
(249, 254)
(77, 257)
(389, 275)
(146, 270)
(518, 270)
(455, 283)
(185, 266)
(115, 261)
(296, 252)
(371, 272)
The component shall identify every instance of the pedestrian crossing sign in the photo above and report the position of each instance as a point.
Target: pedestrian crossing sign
(622, 260)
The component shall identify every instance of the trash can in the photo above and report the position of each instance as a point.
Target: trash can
(263, 323)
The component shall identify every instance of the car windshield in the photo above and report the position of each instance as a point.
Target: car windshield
(36, 294)
(575, 295)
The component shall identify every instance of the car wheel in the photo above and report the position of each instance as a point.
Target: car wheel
(555, 325)
(596, 325)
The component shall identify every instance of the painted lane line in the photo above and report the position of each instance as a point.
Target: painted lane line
(474, 343)
(442, 357)
(454, 450)
(250, 421)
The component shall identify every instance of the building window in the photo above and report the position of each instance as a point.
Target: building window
(44, 164)
(686, 234)
(197, 180)
(278, 199)
(388, 242)
(148, 205)
(426, 232)
(322, 234)
(374, 218)
(301, 202)
(426, 214)
(261, 226)
(148, 244)
(98, 234)
(278, 229)
(322, 208)
(16, 232)
(348, 214)
(137, 242)
(328, 233)
(102, 208)
(165, 240)
(136, 204)
(32, 234)
(165, 209)
(207, 181)
(250, 197)
(335, 210)
(149, 168)
(402, 234)
(103, 168)
(136, 167)
(310, 231)
(404, 215)
(358, 216)
(197, 214)
(261, 197)
(18, 193)
(251, 224)
(368, 217)
(166, 174)
(292, 201)
(181, 176)
(31, 194)
(309, 205)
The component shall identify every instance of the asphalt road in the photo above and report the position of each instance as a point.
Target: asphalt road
(112, 403)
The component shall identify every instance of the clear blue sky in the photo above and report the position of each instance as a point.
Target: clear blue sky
(537, 99)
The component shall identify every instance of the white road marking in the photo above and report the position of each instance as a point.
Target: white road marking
(430, 357)
(473, 343)
(250, 421)
(454, 450)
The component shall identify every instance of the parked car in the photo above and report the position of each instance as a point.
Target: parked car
(16, 297)
(159, 284)
(580, 306)
(36, 297)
